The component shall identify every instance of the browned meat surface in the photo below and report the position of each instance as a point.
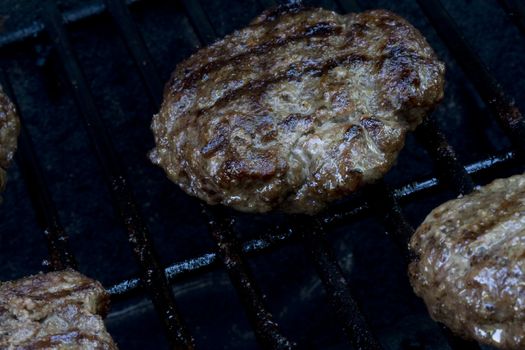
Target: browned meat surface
(298, 109)
(57, 310)
(9, 129)
(471, 266)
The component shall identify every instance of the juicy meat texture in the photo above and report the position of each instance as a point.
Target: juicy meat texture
(57, 310)
(298, 109)
(9, 129)
(470, 269)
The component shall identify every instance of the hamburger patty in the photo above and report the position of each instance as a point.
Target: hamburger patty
(9, 129)
(57, 310)
(298, 109)
(470, 269)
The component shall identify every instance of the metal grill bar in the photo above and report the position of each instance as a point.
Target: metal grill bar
(266, 330)
(336, 285)
(137, 47)
(47, 216)
(283, 234)
(508, 115)
(448, 168)
(199, 21)
(516, 11)
(441, 152)
(37, 27)
(395, 223)
(326, 267)
(152, 275)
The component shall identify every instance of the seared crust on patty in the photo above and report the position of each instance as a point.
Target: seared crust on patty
(470, 269)
(298, 109)
(57, 310)
(9, 129)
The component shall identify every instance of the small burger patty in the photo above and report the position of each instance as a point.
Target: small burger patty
(57, 310)
(9, 129)
(298, 109)
(470, 266)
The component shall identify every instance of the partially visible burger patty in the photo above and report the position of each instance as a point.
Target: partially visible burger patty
(58, 310)
(9, 129)
(470, 269)
(298, 109)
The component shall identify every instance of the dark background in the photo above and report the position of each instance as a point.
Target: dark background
(207, 301)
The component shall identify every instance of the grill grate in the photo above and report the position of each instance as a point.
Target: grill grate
(152, 274)
(57, 241)
(155, 280)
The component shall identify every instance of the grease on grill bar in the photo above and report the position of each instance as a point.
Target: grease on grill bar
(152, 274)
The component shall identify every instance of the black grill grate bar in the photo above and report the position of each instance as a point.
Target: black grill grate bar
(447, 165)
(393, 219)
(283, 234)
(266, 330)
(37, 27)
(137, 47)
(507, 113)
(449, 170)
(336, 285)
(47, 216)
(516, 11)
(152, 275)
(199, 21)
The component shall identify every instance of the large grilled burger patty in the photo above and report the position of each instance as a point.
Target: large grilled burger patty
(9, 129)
(298, 109)
(57, 310)
(470, 269)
